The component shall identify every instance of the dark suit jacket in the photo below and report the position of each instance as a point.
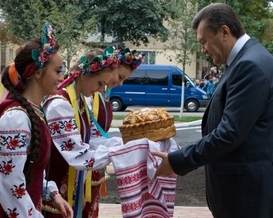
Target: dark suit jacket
(237, 143)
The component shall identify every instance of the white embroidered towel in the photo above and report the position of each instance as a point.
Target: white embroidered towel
(141, 194)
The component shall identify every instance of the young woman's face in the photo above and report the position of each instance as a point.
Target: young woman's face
(52, 75)
(95, 83)
(119, 74)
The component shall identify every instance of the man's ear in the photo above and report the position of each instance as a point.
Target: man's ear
(225, 30)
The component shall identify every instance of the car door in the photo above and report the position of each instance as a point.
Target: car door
(134, 88)
(157, 91)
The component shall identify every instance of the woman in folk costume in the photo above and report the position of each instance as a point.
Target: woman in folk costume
(102, 110)
(25, 138)
(101, 106)
(71, 129)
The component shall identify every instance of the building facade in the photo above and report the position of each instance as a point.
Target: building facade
(7, 54)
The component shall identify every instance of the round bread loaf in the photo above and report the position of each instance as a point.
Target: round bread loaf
(152, 123)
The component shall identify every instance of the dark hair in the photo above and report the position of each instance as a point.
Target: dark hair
(128, 66)
(23, 60)
(216, 15)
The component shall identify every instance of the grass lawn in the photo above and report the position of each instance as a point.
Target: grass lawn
(176, 118)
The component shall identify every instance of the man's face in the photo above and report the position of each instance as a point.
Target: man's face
(212, 45)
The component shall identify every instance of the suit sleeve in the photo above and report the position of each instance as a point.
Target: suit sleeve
(246, 96)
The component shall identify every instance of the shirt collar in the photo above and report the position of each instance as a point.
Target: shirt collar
(237, 47)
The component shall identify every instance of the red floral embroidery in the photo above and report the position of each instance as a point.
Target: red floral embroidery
(90, 163)
(30, 212)
(67, 146)
(97, 133)
(18, 192)
(13, 143)
(6, 168)
(55, 127)
(68, 127)
(13, 213)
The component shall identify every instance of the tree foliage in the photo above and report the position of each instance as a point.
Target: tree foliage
(133, 21)
(181, 38)
(71, 21)
(255, 15)
(74, 20)
(252, 13)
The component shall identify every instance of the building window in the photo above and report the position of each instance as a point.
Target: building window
(149, 57)
(10, 54)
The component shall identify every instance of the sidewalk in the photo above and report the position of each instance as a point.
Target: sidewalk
(114, 211)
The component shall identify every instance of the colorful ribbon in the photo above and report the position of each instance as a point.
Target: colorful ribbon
(72, 171)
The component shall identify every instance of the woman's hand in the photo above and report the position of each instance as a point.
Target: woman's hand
(62, 206)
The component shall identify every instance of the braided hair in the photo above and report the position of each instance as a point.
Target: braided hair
(22, 60)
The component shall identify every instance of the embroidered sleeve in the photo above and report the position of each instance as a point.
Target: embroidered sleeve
(67, 139)
(50, 189)
(15, 139)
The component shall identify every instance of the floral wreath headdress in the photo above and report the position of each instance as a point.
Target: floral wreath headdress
(109, 57)
(132, 58)
(48, 44)
(40, 57)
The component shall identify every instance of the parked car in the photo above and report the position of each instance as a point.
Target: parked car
(158, 85)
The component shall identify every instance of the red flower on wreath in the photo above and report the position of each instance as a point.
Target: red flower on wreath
(44, 56)
(95, 67)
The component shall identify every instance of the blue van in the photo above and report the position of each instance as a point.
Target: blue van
(158, 85)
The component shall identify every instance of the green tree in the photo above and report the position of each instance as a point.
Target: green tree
(181, 37)
(255, 15)
(252, 13)
(133, 21)
(73, 22)
(71, 19)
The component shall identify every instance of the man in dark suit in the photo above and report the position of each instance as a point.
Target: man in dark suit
(237, 127)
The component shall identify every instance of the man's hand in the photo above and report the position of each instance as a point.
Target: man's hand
(164, 169)
(62, 206)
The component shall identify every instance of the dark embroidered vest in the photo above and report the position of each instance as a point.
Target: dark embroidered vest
(102, 114)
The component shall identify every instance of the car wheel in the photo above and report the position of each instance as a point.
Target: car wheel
(191, 105)
(116, 105)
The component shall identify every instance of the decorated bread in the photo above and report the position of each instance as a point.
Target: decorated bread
(152, 123)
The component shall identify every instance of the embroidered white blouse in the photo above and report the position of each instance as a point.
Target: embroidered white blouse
(67, 138)
(15, 125)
